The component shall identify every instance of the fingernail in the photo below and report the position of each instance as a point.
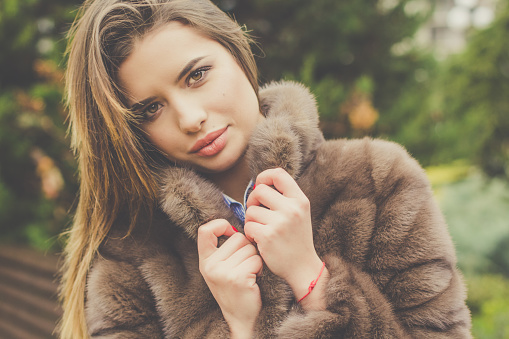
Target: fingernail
(254, 186)
(234, 228)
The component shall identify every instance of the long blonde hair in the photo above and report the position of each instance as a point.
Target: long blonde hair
(115, 164)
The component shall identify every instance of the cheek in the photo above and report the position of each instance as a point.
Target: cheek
(243, 98)
(235, 88)
(162, 138)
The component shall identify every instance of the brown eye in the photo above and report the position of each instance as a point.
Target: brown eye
(197, 75)
(152, 108)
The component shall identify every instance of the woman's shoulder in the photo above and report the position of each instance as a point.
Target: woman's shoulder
(117, 292)
(378, 150)
(122, 258)
(149, 237)
(378, 160)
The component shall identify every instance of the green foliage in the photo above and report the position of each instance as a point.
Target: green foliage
(334, 47)
(30, 29)
(18, 33)
(500, 256)
(411, 120)
(476, 211)
(16, 165)
(488, 300)
(447, 174)
(37, 183)
(467, 109)
(475, 208)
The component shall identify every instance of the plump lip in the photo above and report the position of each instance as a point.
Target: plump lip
(208, 139)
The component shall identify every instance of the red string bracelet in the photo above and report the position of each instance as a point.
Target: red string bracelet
(313, 283)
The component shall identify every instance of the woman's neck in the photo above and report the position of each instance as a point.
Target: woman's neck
(233, 182)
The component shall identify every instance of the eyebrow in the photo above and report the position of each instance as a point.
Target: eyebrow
(188, 67)
(139, 105)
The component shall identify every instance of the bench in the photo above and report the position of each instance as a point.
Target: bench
(28, 293)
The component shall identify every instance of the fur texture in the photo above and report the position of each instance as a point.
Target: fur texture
(376, 225)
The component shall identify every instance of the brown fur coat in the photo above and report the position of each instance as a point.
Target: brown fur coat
(376, 225)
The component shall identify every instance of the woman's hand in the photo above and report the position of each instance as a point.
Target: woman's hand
(279, 221)
(230, 273)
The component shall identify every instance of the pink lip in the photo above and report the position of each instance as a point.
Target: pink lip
(211, 144)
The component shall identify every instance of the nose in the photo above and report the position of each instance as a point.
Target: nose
(191, 115)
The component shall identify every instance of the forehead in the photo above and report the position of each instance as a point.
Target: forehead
(162, 54)
(174, 33)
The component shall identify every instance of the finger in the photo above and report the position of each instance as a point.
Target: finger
(254, 231)
(242, 254)
(252, 265)
(208, 234)
(259, 214)
(264, 195)
(230, 246)
(281, 180)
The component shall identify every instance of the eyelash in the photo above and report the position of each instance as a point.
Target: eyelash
(145, 112)
(202, 70)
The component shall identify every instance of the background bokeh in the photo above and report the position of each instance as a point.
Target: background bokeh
(431, 75)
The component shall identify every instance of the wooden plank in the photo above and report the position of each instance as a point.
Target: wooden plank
(42, 307)
(43, 261)
(28, 293)
(27, 280)
(24, 319)
(9, 330)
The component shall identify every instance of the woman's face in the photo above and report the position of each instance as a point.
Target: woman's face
(198, 106)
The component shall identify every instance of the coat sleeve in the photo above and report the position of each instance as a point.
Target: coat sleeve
(403, 282)
(129, 301)
(116, 304)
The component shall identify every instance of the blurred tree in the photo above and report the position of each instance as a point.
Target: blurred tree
(470, 103)
(31, 29)
(488, 300)
(18, 34)
(37, 183)
(500, 256)
(357, 56)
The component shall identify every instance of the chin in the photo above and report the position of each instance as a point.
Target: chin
(221, 164)
(223, 167)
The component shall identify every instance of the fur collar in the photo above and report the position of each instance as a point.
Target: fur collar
(286, 138)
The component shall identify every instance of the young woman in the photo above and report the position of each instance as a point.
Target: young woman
(335, 239)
